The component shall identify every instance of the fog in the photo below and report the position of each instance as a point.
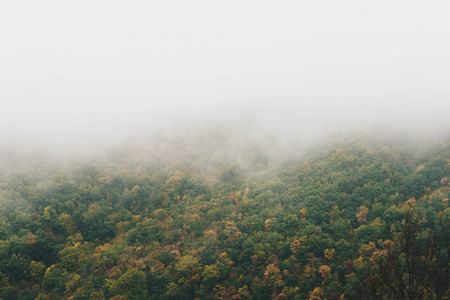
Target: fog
(74, 74)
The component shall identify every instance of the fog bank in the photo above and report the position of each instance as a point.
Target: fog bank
(85, 74)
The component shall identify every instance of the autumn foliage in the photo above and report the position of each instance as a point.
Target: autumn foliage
(357, 219)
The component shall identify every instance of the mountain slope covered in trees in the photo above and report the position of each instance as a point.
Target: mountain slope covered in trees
(221, 218)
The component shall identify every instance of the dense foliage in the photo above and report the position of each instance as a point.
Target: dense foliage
(331, 225)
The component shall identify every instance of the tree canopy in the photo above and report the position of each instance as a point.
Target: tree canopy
(357, 218)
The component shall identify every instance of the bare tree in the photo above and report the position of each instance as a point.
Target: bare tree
(415, 266)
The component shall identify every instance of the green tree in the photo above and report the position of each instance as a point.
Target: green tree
(132, 284)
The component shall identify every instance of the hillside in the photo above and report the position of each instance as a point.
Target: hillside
(222, 217)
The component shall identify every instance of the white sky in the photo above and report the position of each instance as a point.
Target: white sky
(83, 70)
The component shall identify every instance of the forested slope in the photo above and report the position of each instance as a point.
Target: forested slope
(173, 220)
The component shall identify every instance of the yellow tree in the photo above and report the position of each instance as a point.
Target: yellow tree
(361, 216)
(273, 277)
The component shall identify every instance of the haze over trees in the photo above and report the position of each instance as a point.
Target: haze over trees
(224, 149)
(356, 217)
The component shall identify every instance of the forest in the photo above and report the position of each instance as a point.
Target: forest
(219, 216)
